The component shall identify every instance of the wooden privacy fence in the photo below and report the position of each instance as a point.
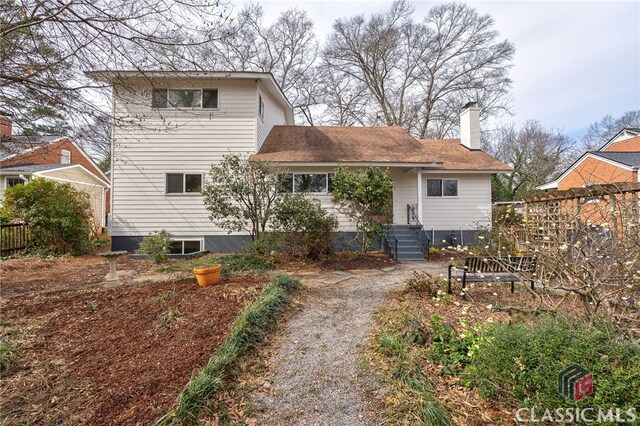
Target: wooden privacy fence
(13, 238)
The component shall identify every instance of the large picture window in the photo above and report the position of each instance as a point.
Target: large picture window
(185, 98)
(313, 183)
(181, 183)
(442, 187)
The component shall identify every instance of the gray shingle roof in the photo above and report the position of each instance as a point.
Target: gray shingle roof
(627, 158)
(31, 168)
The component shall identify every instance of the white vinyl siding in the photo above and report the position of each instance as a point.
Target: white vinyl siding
(158, 142)
(404, 192)
(273, 115)
(469, 210)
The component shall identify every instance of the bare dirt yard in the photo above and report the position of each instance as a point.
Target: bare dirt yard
(80, 354)
(35, 274)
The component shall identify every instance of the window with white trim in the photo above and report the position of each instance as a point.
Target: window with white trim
(185, 246)
(312, 183)
(442, 187)
(183, 183)
(10, 182)
(185, 98)
(65, 157)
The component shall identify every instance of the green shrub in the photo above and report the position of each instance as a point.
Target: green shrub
(304, 227)
(452, 349)
(364, 196)
(156, 245)
(519, 363)
(247, 330)
(59, 217)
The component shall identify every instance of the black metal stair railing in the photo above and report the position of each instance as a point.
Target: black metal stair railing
(417, 228)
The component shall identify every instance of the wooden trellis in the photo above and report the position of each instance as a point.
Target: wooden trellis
(550, 218)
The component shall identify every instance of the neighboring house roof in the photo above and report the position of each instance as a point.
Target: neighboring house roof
(270, 83)
(455, 156)
(43, 170)
(12, 150)
(30, 168)
(624, 160)
(330, 145)
(626, 133)
(631, 159)
(18, 144)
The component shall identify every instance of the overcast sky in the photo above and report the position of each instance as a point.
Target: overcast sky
(575, 61)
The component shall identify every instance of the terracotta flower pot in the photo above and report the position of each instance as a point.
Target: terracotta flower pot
(208, 276)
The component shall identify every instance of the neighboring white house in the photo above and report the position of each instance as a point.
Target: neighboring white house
(178, 124)
(56, 158)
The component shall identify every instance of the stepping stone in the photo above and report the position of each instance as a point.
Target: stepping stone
(157, 278)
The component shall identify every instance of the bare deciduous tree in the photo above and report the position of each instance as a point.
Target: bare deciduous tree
(603, 130)
(47, 44)
(535, 152)
(287, 48)
(419, 74)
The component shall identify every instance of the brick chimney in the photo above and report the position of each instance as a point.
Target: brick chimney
(6, 126)
(470, 126)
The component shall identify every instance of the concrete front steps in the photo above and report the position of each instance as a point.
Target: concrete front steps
(408, 244)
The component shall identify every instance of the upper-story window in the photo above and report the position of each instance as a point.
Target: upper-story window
(185, 98)
(260, 106)
(65, 157)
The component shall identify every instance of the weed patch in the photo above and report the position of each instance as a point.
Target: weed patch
(397, 354)
(169, 317)
(235, 263)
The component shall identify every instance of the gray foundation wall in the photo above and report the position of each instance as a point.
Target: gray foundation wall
(235, 243)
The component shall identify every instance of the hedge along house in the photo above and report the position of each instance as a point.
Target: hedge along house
(174, 125)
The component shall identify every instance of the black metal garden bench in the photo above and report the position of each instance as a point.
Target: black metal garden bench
(493, 269)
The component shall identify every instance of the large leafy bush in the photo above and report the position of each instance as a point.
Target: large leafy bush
(519, 363)
(364, 195)
(304, 227)
(59, 216)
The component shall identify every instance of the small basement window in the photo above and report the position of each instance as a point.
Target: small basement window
(442, 187)
(185, 98)
(183, 183)
(185, 246)
(65, 157)
(13, 181)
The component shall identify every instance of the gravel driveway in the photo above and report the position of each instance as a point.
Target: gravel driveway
(315, 380)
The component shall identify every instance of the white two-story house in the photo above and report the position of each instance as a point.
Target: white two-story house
(172, 126)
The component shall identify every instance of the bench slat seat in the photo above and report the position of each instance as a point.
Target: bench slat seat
(495, 269)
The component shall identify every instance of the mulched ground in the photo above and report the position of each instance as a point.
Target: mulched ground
(101, 356)
(339, 262)
(35, 274)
